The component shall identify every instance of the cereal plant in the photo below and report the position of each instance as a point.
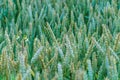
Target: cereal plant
(59, 39)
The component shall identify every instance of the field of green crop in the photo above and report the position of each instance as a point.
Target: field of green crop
(59, 39)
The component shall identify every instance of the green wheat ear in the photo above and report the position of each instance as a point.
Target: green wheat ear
(37, 77)
(51, 32)
(69, 47)
(113, 69)
(36, 55)
(27, 75)
(19, 76)
(85, 76)
(94, 62)
(60, 51)
(60, 72)
(90, 70)
(116, 42)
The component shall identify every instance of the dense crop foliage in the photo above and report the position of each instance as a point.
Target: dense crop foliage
(59, 39)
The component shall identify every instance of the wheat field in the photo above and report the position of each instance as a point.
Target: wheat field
(59, 39)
